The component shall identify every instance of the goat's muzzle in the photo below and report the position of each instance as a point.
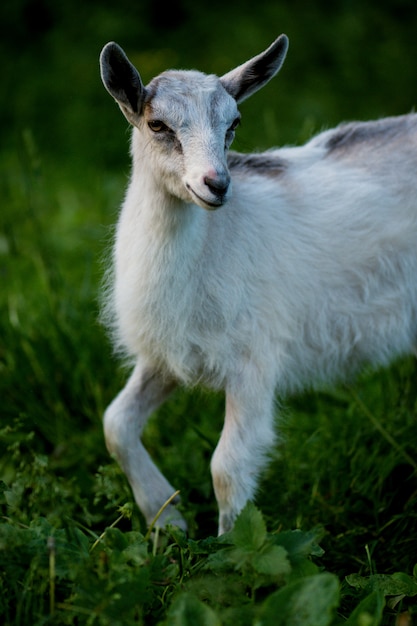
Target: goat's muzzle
(212, 192)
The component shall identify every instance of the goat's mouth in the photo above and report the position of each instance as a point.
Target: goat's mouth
(212, 204)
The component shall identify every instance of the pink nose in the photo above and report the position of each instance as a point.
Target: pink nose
(218, 184)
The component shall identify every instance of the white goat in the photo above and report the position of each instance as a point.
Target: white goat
(306, 270)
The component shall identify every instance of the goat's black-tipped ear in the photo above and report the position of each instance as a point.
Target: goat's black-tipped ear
(244, 80)
(122, 80)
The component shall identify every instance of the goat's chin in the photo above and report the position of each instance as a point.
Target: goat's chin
(211, 204)
(209, 207)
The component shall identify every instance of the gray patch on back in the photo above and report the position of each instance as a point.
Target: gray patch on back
(371, 135)
(263, 164)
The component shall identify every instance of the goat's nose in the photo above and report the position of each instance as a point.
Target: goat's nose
(218, 185)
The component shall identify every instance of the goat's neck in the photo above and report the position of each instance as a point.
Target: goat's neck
(161, 217)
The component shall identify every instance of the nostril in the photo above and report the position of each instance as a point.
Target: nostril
(218, 185)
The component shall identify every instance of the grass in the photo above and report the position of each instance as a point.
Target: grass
(331, 538)
(74, 548)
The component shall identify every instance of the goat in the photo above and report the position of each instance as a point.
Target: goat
(258, 274)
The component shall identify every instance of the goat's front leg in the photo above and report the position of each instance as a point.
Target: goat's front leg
(247, 436)
(124, 421)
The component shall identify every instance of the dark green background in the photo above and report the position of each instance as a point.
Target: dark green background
(347, 463)
(348, 59)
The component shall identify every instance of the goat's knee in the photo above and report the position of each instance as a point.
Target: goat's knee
(119, 426)
(112, 429)
(123, 423)
(126, 416)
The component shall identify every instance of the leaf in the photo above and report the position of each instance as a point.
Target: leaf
(178, 535)
(249, 531)
(137, 553)
(307, 602)
(393, 585)
(187, 610)
(300, 546)
(407, 584)
(209, 545)
(368, 612)
(219, 591)
(357, 581)
(273, 561)
(115, 539)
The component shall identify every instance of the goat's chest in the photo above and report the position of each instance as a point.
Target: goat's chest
(171, 312)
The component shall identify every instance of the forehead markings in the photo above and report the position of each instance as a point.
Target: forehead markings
(170, 94)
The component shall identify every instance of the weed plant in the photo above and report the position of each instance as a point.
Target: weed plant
(331, 539)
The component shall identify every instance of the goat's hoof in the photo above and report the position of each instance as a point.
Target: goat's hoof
(171, 516)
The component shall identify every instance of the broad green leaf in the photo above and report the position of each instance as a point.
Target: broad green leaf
(187, 610)
(307, 602)
(137, 552)
(393, 585)
(407, 584)
(115, 539)
(273, 561)
(357, 581)
(220, 591)
(369, 611)
(209, 545)
(249, 531)
(302, 568)
(300, 544)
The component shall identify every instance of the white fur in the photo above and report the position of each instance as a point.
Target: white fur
(299, 278)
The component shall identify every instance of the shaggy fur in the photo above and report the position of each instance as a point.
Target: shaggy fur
(305, 272)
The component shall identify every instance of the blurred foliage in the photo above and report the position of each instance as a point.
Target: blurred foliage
(347, 463)
(348, 59)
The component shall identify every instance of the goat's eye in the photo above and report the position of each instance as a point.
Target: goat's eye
(157, 126)
(235, 124)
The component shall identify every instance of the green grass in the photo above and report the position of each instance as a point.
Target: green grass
(332, 538)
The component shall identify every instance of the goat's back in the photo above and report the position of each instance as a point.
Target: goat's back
(309, 269)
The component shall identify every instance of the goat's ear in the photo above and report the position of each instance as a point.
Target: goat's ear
(122, 81)
(244, 80)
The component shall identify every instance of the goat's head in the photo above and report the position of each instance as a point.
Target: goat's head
(188, 118)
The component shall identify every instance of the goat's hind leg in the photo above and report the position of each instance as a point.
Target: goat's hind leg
(124, 421)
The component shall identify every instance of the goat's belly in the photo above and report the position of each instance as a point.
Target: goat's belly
(186, 362)
(175, 346)
(339, 343)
